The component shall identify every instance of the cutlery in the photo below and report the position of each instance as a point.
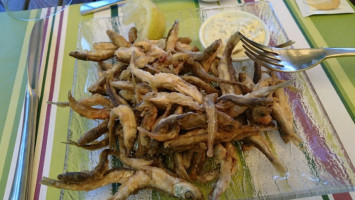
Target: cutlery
(291, 60)
(21, 183)
(88, 8)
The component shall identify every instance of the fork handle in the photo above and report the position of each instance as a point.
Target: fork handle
(22, 178)
(336, 52)
(91, 7)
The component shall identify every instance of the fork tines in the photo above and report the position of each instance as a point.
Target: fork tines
(261, 54)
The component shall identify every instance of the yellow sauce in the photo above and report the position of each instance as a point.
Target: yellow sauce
(223, 25)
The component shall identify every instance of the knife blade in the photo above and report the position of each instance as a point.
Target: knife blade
(88, 8)
(20, 188)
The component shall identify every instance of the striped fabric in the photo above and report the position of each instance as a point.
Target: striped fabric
(57, 70)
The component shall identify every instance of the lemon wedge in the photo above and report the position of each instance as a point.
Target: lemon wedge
(324, 5)
(147, 17)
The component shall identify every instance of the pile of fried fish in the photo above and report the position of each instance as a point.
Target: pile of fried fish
(166, 110)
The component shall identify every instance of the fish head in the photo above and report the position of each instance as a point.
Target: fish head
(154, 97)
(186, 191)
(150, 95)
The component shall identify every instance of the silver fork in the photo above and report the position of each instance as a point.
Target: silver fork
(91, 7)
(290, 60)
(20, 189)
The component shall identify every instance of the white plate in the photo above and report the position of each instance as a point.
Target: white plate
(321, 167)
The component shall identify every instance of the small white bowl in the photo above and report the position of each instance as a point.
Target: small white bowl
(224, 24)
